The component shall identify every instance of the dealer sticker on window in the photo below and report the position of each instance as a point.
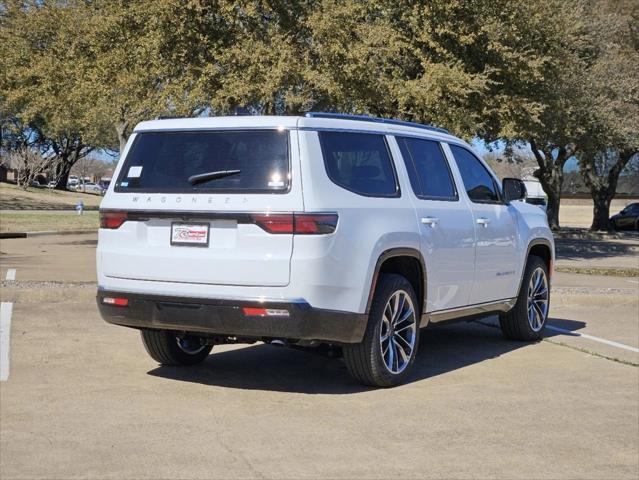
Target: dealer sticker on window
(190, 234)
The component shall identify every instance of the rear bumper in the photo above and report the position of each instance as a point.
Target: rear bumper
(226, 317)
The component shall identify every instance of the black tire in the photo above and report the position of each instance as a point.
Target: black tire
(163, 347)
(514, 324)
(365, 360)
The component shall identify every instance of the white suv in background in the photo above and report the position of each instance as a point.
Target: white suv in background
(339, 229)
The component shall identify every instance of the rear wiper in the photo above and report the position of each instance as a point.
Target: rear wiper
(205, 177)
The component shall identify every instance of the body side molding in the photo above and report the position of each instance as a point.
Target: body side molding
(465, 313)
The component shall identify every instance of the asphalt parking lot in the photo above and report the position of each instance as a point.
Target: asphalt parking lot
(83, 399)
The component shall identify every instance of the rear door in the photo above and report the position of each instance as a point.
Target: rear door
(447, 235)
(197, 206)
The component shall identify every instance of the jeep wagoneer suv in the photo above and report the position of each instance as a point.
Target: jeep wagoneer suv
(338, 229)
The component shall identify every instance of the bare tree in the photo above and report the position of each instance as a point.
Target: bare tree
(90, 167)
(28, 163)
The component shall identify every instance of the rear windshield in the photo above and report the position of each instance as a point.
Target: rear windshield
(255, 161)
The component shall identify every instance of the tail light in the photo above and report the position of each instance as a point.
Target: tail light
(315, 223)
(116, 301)
(112, 220)
(276, 223)
(297, 223)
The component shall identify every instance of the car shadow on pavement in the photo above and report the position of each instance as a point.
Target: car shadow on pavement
(442, 349)
(571, 325)
(585, 249)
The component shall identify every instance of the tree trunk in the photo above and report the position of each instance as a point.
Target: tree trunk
(122, 129)
(67, 157)
(601, 213)
(552, 209)
(603, 186)
(23, 178)
(62, 171)
(551, 177)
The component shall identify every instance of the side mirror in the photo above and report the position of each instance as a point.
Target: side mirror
(514, 189)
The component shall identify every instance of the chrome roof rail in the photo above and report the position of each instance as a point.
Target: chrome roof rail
(366, 118)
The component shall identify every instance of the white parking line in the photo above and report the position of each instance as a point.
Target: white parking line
(596, 339)
(633, 281)
(5, 330)
(11, 274)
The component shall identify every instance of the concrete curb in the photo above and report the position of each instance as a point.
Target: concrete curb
(5, 235)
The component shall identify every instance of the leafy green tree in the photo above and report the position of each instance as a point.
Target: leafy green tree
(498, 69)
(79, 75)
(42, 51)
(536, 92)
(148, 59)
(397, 59)
(558, 92)
(259, 64)
(613, 100)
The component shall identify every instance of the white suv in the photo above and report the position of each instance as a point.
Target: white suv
(339, 229)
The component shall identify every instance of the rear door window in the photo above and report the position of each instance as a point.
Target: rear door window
(254, 161)
(359, 162)
(427, 168)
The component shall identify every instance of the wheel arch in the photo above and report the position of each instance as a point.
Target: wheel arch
(542, 248)
(543, 251)
(407, 262)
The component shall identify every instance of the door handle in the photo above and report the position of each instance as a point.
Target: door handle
(482, 221)
(430, 221)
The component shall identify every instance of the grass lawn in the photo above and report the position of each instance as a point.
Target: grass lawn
(13, 197)
(16, 222)
(609, 272)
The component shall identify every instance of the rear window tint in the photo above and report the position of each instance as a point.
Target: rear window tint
(239, 161)
(359, 162)
(427, 169)
(480, 184)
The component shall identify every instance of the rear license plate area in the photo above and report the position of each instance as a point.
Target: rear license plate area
(190, 234)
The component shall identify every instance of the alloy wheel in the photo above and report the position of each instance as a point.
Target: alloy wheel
(398, 332)
(537, 299)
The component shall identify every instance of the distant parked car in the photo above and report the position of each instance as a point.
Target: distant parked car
(627, 219)
(535, 194)
(51, 184)
(89, 187)
(104, 186)
(539, 201)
